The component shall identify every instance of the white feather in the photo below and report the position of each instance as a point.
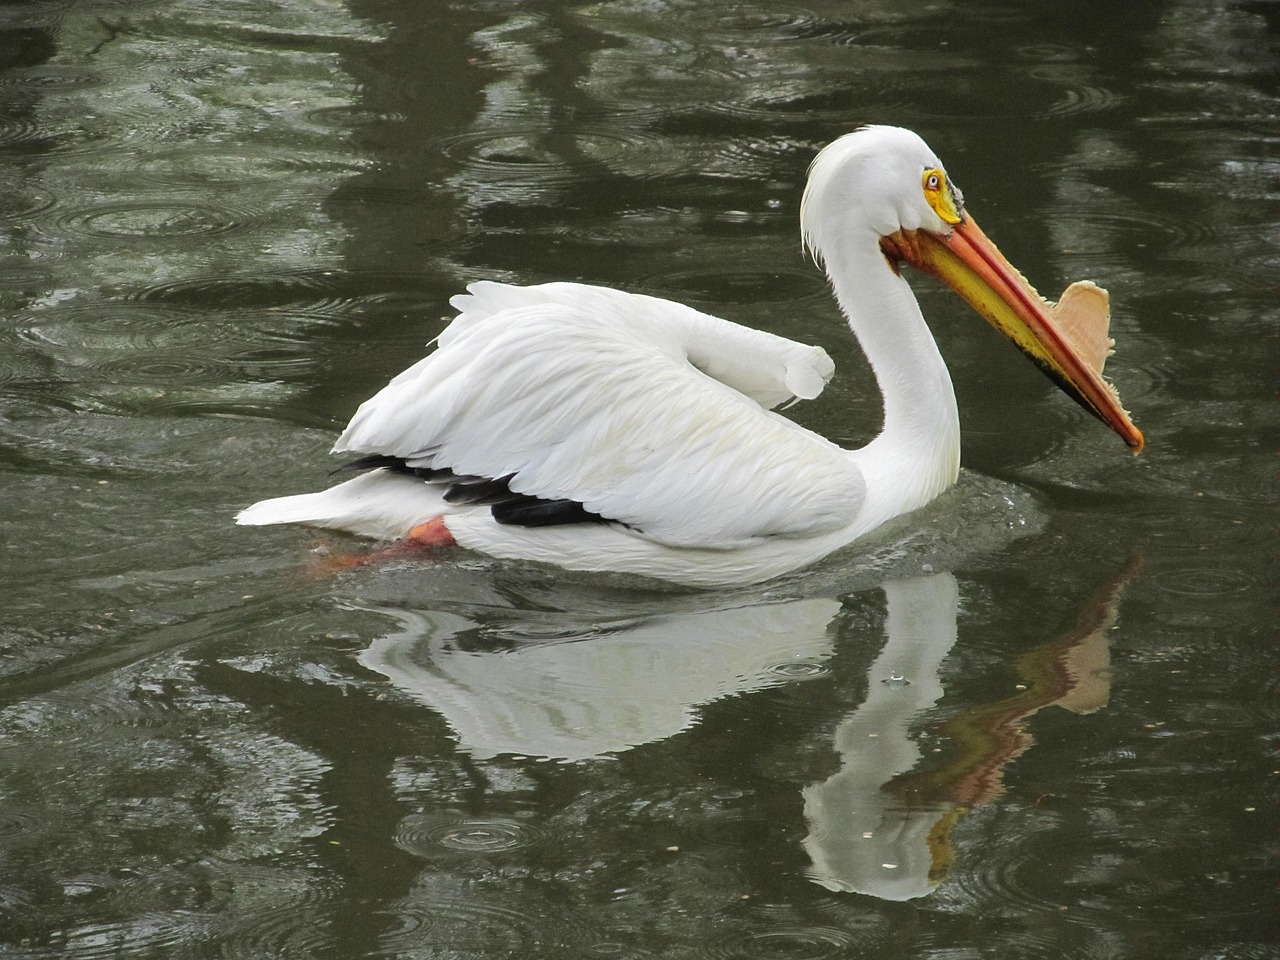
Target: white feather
(592, 395)
(377, 504)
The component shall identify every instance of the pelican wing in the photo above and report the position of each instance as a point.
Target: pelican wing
(765, 367)
(645, 412)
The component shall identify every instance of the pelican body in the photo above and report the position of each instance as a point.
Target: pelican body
(604, 431)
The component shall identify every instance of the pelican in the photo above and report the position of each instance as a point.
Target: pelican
(598, 430)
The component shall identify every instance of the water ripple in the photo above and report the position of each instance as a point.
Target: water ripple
(65, 139)
(464, 924)
(1084, 99)
(176, 370)
(245, 289)
(41, 16)
(350, 115)
(52, 77)
(114, 325)
(1010, 876)
(534, 157)
(128, 341)
(78, 717)
(804, 668)
(784, 942)
(1142, 227)
(143, 935)
(430, 835)
(233, 164)
(22, 131)
(721, 819)
(32, 202)
(15, 822)
(274, 912)
(149, 219)
(1200, 583)
(105, 346)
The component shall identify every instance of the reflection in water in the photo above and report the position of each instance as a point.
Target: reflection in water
(1073, 671)
(881, 825)
(861, 838)
(635, 682)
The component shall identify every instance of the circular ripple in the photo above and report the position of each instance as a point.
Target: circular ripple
(1047, 53)
(1204, 583)
(482, 836)
(171, 371)
(803, 25)
(145, 935)
(230, 164)
(22, 131)
(453, 925)
(758, 156)
(429, 835)
(799, 669)
(1084, 99)
(279, 913)
(1008, 875)
(112, 325)
(63, 137)
(133, 346)
(27, 206)
(159, 219)
(348, 116)
(1122, 231)
(534, 157)
(786, 943)
(17, 823)
(245, 290)
(52, 78)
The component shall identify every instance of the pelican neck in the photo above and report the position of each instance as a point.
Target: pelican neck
(917, 453)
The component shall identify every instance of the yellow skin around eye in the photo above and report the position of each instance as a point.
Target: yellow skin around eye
(940, 195)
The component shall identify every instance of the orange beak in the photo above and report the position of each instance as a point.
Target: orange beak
(1067, 340)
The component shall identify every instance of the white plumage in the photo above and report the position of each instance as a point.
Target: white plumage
(597, 396)
(660, 418)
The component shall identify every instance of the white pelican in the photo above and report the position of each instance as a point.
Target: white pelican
(605, 431)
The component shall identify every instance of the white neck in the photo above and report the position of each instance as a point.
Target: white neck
(917, 454)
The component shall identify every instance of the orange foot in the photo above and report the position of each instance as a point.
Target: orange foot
(433, 533)
(425, 537)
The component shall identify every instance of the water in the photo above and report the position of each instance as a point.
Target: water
(1033, 721)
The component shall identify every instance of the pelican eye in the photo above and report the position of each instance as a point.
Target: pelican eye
(942, 197)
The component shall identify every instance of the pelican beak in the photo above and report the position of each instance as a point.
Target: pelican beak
(1067, 340)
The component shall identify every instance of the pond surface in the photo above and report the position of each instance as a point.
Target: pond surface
(1035, 720)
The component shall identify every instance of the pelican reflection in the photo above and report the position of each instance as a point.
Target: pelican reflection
(880, 825)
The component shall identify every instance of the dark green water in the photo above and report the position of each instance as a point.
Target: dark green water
(1037, 720)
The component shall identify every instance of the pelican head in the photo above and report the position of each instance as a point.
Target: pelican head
(884, 186)
(875, 181)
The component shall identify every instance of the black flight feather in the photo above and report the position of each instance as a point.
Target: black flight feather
(508, 507)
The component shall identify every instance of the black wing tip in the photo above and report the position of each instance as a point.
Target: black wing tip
(535, 512)
(506, 506)
(376, 461)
